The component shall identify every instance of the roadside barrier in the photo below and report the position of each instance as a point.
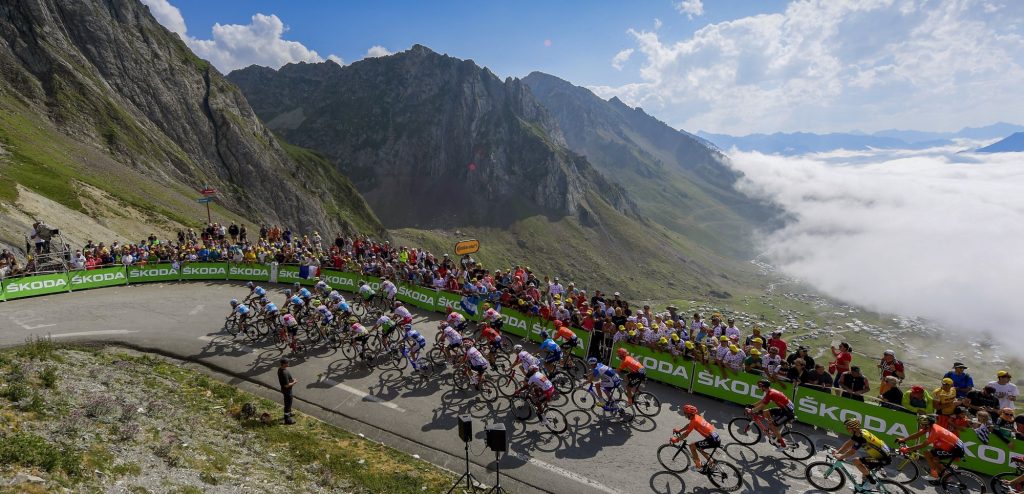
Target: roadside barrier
(813, 407)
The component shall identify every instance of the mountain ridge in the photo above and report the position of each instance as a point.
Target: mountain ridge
(1014, 143)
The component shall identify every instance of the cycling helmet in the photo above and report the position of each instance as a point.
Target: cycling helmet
(449, 309)
(467, 342)
(297, 285)
(250, 285)
(690, 345)
(288, 293)
(557, 323)
(852, 424)
(361, 283)
(623, 353)
(234, 302)
(264, 300)
(592, 361)
(544, 335)
(353, 319)
(764, 383)
(533, 369)
(517, 348)
(689, 410)
(925, 420)
(398, 303)
(442, 324)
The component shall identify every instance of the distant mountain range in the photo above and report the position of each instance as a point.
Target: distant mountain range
(1012, 144)
(804, 142)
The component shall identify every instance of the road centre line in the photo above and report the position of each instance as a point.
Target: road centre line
(564, 473)
(362, 394)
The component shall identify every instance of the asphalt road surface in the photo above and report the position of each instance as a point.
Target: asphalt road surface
(184, 320)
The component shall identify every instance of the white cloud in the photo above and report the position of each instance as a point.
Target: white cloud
(620, 58)
(336, 59)
(167, 15)
(377, 51)
(825, 65)
(235, 46)
(692, 8)
(924, 233)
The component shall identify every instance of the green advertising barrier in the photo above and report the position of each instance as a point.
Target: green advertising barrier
(205, 271)
(660, 366)
(730, 385)
(829, 411)
(2, 296)
(288, 273)
(249, 272)
(424, 298)
(31, 286)
(151, 273)
(340, 280)
(97, 278)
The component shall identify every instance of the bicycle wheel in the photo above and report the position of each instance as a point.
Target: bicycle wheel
(501, 364)
(576, 367)
(902, 469)
(646, 404)
(506, 385)
(616, 410)
(251, 334)
(348, 350)
(961, 482)
(583, 399)
(744, 431)
(997, 482)
(563, 382)
(436, 356)
(890, 487)
(506, 344)
(231, 327)
(554, 420)
(725, 476)
(313, 333)
(280, 338)
(825, 476)
(798, 446)
(460, 380)
(673, 458)
(358, 310)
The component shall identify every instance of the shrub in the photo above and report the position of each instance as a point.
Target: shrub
(104, 408)
(30, 450)
(39, 348)
(49, 377)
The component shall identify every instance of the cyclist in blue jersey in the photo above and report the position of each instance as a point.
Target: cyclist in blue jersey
(416, 342)
(553, 352)
(242, 310)
(607, 376)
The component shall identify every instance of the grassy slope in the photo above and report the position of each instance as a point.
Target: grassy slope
(187, 440)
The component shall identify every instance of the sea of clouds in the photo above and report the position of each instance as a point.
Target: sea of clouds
(936, 233)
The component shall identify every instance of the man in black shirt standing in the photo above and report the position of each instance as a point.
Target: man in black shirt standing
(983, 400)
(854, 384)
(287, 381)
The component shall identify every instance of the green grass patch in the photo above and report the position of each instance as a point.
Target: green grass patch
(30, 450)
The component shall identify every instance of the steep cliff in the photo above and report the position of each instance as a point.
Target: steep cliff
(101, 99)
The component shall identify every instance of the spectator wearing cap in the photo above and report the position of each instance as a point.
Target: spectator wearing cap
(945, 402)
(1005, 390)
(854, 384)
(723, 348)
(755, 333)
(752, 363)
(285, 379)
(983, 400)
(843, 358)
(918, 400)
(777, 342)
(890, 366)
(801, 353)
(771, 362)
(962, 381)
(735, 358)
(890, 393)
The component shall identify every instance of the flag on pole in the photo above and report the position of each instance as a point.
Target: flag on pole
(309, 272)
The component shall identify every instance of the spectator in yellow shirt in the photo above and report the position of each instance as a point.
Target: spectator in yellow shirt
(944, 399)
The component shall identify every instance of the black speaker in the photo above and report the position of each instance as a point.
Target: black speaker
(496, 439)
(465, 428)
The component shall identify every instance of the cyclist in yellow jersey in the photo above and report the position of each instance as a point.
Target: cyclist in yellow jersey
(876, 453)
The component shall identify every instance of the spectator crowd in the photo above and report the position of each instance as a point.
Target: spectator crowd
(957, 401)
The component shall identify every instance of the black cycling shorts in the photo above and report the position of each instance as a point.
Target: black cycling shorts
(710, 442)
(956, 453)
(875, 463)
(573, 343)
(478, 368)
(634, 379)
(781, 415)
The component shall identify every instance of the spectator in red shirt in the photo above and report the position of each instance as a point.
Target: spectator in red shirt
(890, 366)
(776, 341)
(844, 356)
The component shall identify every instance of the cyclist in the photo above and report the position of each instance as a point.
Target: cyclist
(606, 375)
(255, 293)
(525, 359)
(326, 317)
(416, 343)
(292, 325)
(704, 428)
(636, 373)
(242, 310)
(340, 305)
(493, 338)
(456, 319)
(453, 337)
(552, 352)
(359, 337)
(944, 444)
(270, 311)
(296, 304)
(303, 292)
(493, 318)
(252, 293)
(782, 412)
(321, 288)
(366, 291)
(402, 315)
(386, 325)
(476, 361)
(389, 289)
(876, 453)
(568, 337)
(541, 387)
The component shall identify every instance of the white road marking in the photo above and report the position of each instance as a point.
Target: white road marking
(92, 333)
(196, 310)
(363, 394)
(24, 317)
(565, 473)
(237, 345)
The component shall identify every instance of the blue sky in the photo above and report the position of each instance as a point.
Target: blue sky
(721, 66)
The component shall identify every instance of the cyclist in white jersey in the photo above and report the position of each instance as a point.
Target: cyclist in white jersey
(325, 314)
(493, 318)
(242, 310)
(389, 289)
(416, 342)
(292, 325)
(541, 387)
(524, 359)
(359, 337)
(322, 287)
(366, 291)
(456, 319)
(453, 338)
(402, 315)
(477, 362)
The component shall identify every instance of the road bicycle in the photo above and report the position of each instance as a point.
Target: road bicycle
(463, 377)
(831, 475)
(586, 397)
(676, 459)
(646, 403)
(751, 428)
(998, 487)
(906, 467)
(524, 407)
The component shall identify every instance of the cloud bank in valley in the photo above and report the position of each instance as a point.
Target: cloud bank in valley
(927, 233)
